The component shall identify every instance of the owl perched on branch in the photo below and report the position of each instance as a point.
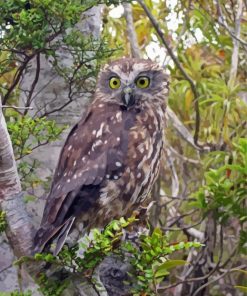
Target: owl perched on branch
(111, 158)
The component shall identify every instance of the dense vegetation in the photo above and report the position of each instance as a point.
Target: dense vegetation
(196, 240)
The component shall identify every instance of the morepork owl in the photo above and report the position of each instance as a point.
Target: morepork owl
(111, 158)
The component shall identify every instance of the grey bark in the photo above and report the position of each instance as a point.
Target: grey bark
(235, 52)
(135, 51)
(20, 230)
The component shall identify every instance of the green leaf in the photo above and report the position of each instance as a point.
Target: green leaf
(241, 270)
(241, 288)
(171, 264)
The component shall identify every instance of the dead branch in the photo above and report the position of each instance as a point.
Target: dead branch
(183, 131)
(222, 21)
(16, 107)
(17, 78)
(35, 81)
(234, 61)
(180, 67)
(131, 31)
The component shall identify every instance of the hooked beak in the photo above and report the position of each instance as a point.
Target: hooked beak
(128, 96)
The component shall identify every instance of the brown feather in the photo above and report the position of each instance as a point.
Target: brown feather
(111, 158)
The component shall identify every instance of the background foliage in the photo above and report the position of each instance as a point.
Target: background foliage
(201, 192)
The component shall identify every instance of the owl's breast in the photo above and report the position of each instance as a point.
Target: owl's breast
(139, 171)
(143, 163)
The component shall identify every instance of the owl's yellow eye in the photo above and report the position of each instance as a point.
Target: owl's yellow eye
(114, 82)
(143, 82)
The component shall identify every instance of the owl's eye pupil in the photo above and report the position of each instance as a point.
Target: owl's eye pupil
(114, 82)
(143, 82)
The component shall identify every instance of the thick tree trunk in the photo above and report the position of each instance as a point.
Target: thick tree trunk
(19, 230)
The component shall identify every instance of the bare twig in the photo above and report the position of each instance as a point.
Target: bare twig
(56, 109)
(230, 257)
(182, 130)
(224, 24)
(234, 62)
(174, 175)
(16, 107)
(182, 157)
(182, 228)
(33, 148)
(216, 267)
(188, 231)
(16, 79)
(35, 81)
(202, 278)
(218, 278)
(175, 219)
(131, 31)
(179, 66)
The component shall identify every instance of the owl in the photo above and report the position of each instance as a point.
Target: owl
(111, 157)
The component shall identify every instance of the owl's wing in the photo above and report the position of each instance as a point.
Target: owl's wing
(94, 148)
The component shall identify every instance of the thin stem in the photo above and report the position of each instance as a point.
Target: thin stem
(35, 81)
(180, 67)
(131, 31)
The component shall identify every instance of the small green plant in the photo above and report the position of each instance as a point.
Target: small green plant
(27, 133)
(150, 260)
(94, 250)
(49, 287)
(225, 188)
(3, 222)
(149, 256)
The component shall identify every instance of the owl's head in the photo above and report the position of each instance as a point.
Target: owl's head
(131, 82)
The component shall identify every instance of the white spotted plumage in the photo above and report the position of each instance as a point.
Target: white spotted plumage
(111, 158)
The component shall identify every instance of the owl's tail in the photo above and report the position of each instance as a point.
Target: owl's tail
(49, 234)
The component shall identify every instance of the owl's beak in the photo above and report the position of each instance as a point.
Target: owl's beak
(128, 96)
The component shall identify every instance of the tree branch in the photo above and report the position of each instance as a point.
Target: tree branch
(20, 229)
(16, 107)
(234, 62)
(224, 24)
(179, 66)
(183, 131)
(17, 78)
(35, 81)
(131, 31)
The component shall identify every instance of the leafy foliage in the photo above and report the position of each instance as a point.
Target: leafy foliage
(34, 27)
(31, 29)
(16, 293)
(151, 263)
(202, 182)
(28, 134)
(225, 188)
(33, 24)
(3, 223)
(149, 256)
(49, 287)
